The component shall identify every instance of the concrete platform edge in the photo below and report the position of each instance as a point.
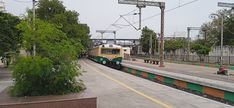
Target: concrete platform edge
(219, 89)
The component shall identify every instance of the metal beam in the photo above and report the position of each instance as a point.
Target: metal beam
(142, 3)
(222, 4)
(188, 39)
(107, 31)
(193, 28)
(161, 5)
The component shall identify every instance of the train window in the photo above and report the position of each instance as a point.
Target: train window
(110, 51)
(115, 51)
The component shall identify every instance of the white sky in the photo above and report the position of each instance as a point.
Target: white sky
(99, 14)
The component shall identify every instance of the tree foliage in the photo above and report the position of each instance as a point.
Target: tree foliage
(35, 76)
(174, 44)
(145, 40)
(55, 50)
(201, 48)
(58, 38)
(54, 12)
(9, 34)
(213, 31)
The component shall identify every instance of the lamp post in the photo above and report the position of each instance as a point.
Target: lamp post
(221, 43)
(34, 15)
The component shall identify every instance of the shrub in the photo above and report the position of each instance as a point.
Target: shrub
(35, 76)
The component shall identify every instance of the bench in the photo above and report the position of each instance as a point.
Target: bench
(151, 61)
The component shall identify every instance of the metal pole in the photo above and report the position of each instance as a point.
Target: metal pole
(155, 50)
(139, 18)
(221, 58)
(158, 44)
(150, 49)
(161, 38)
(102, 38)
(34, 45)
(188, 39)
(114, 37)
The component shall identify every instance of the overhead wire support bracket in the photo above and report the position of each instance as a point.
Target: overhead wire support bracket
(161, 5)
(129, 22)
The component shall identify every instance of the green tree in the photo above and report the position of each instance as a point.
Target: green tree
(145, 40)
(201, 48)
(173, 44)
(213, 28)
(9, 35)
(54, 12)
(48, 9)
(54, 69)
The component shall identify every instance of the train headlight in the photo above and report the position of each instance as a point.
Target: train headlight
(117, 62)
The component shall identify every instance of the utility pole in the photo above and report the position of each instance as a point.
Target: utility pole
(161, 61)
(158, 46)
(150, 48)
(161, 5)
(34, 16)
(139, 6)
(114, 37)
(221, 58)
(229, 5)
(188, 40)
(139, 17)
(155, 45)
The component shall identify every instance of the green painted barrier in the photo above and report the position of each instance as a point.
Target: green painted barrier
(229, 96)
(195, 87)
(169, 80)
(231, 67)
(129, 70)
(150, 76)
(138, 72)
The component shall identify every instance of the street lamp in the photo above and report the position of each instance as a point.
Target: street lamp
(221, 43)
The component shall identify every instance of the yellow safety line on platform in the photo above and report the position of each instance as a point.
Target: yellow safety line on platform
(130, 88)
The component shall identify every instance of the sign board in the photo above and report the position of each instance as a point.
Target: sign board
(221, 4)
(142, 3)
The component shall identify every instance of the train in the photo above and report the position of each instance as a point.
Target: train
(107, 54)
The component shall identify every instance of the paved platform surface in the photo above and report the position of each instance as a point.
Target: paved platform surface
(5, 77)
(116, 89)
(198, 71)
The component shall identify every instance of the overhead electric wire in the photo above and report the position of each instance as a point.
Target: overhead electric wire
(128, 22)
(120, 18)
(169, 10)
(129, 12)
(20, 1)
(147, 18)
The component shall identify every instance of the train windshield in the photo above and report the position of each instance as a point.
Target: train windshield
(110, 51)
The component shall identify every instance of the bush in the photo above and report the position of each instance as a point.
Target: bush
(34, 76)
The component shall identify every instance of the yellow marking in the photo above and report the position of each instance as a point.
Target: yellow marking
(130, 88)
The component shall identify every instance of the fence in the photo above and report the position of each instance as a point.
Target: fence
(227, 60)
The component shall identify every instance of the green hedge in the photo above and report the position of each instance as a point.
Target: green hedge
(34, 76)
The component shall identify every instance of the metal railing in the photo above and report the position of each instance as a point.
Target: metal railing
(227, 60)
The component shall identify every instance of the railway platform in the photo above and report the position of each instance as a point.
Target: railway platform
(186, 69)
(202, 80)
(116, 89)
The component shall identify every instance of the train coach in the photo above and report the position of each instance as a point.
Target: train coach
(107, 54)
